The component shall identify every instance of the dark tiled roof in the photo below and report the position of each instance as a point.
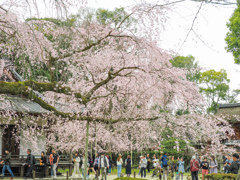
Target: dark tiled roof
(23, 105)
(26, 105)
(229, 105)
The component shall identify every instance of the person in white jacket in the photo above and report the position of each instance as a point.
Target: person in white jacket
(76, 161)
(119, 165)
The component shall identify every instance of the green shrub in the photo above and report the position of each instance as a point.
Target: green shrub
(220, 176)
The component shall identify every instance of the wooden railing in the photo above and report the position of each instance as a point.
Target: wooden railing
(17, 161)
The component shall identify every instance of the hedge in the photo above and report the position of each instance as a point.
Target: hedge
(220, 176)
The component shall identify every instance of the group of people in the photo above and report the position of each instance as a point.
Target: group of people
(102, 165)
(30, 162)
(165, 166)
(231, 165)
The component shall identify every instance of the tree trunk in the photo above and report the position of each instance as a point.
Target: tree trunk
(96, 140)
(86, 152)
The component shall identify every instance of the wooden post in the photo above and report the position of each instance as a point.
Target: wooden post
(70, 166)
(134, 174)
(86, 152)
(22, 171)
(70, 170)
(67, 176)
(33, 174)
(47, 171)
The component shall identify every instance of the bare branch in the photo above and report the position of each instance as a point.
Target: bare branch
(191, 26)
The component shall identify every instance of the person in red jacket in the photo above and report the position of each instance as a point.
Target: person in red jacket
(194, 167)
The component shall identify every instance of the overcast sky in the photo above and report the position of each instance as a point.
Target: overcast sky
(210, 25)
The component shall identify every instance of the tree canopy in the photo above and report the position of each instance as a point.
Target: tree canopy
(233, 36)
(115, 82)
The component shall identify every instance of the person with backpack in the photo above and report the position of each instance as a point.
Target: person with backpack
(128, 166)
(103, 165)
(234, 167)
(30, 161)
(90, 161)
(76, 161)
(55, 163)
(164, 160)
(213, 165)
(7, 164)
(194, 168)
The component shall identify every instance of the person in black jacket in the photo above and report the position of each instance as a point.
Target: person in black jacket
(234, 167)
(29, 163)
(43, 162)
(7, 164)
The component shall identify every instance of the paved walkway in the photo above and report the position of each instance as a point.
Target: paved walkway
(109, 177)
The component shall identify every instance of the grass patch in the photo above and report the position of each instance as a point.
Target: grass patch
(128, 178)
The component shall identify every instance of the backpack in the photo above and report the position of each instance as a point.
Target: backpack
(164, 161)
(194, 168)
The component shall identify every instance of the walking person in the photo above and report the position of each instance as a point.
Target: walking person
(29, 162)
(194, 167)
(128, 166)
(90, 167)
(204, 165)
(95, 165)
(213, 165)
(148, 162)
(76, 162)
(103, 165)
(55, 163)
(181, 169)
(119, 165)
(143, 167)
(43, 164)
(7, 164)
(164, 160)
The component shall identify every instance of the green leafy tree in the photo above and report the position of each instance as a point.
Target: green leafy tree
(214, 86)
(190, 64)
(233, 36)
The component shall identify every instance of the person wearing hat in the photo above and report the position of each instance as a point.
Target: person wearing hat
(7, 164)
(103, 165)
